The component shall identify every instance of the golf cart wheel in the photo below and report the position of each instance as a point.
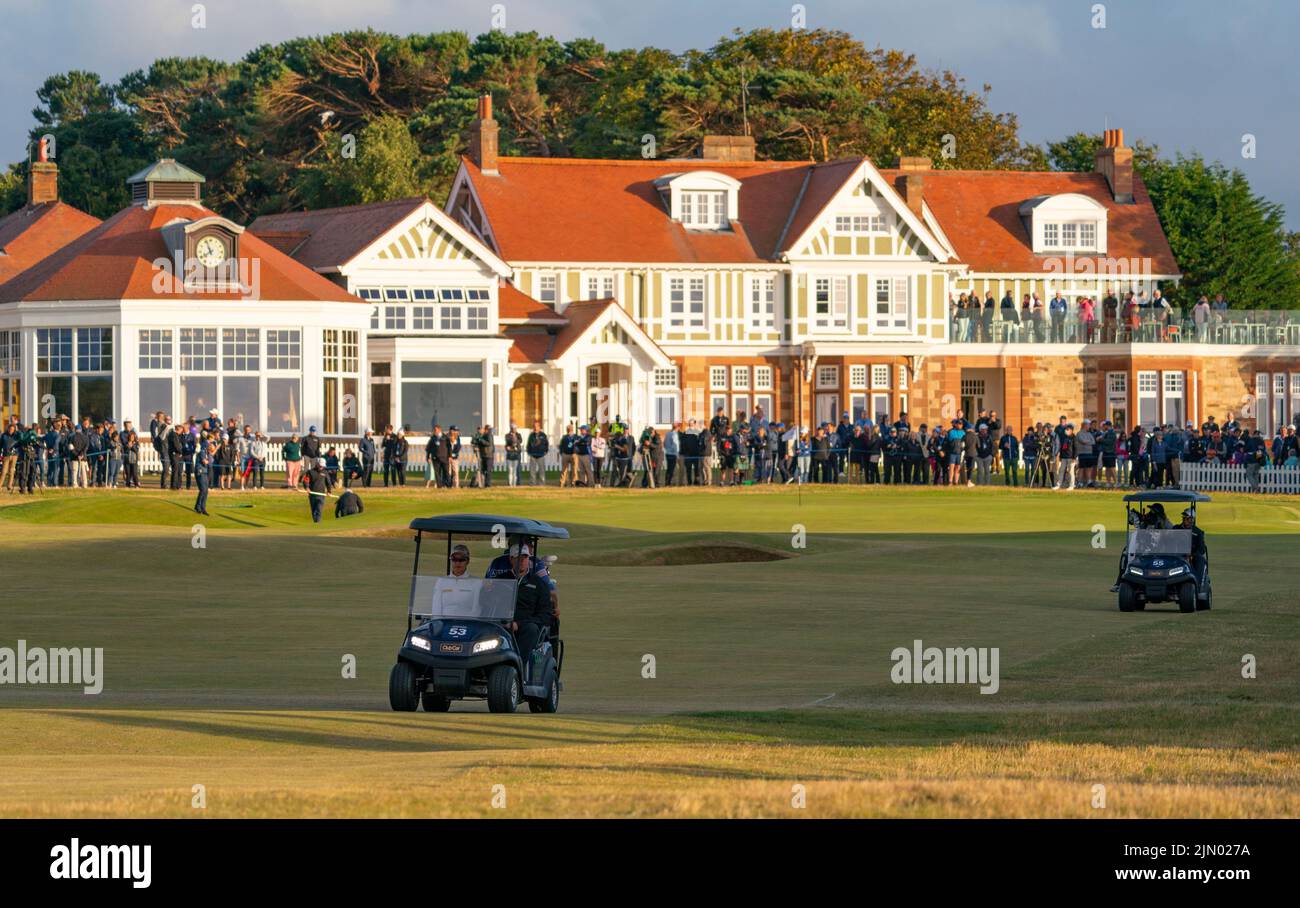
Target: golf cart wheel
(1187, 598)
(1203, 605)
(402, 695)
(503, 689)
(550, 703)
(435, 703)
(1127, 597)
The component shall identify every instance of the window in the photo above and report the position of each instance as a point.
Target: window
(1087, 236)
(972, 387)
(477, 295)
(860, 223)
(828, 376)
(762, 378)
(1117, 382)
(369, 294)
(156, 350)
(1070, 235)
(893, 303)
(451, 295)
(857, 376)
(902, 378)
(1052, 236)
(1148, 388)
(717, 378)
(396, 294)
(600, 286)
(880, 376)
(1173, 398)
(476, 318)
(740, 378)
(94, 349)
(1173, 383)
(831, 302)
(665, 409)
(53, 349)
(240, 350)
(394, 318)
(199, 351)
(762, 302)
(284, 349)
(423, 318)
(11, 348)
(451, 318)
(546, 288)
(665, 377)
(704, 210)
(686, 302)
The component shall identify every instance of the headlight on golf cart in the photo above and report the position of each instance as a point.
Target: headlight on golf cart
(1173, 571)
(1135, 570)
(421, 643)
(486, 646)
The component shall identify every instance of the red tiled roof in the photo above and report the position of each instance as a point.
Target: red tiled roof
(330, 237)
(564, 209)
(979, 211)
(580, 316)
(529, 347)
(515, 305)
(35, 231)
(115, 261)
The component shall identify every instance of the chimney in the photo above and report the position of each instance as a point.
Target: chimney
(1115, 162)
(911, 182)
(483, 137)
(42, 178)
(728, 148)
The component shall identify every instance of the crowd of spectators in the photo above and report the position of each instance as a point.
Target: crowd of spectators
(970, 452)
(1112, 319)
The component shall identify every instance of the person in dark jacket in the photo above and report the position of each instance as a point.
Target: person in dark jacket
(537, 447)
(318, 486)
(175, 453)
(311, 449)
(485, 450)
(348, 503)
(351, 468)
(821, 457)
(534, 609)
(366, 450)
(401, 454)
(1009, 446)
(203, 476)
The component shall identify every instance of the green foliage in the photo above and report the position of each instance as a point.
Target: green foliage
(1225, 237)
(384, 164)
(267, 131)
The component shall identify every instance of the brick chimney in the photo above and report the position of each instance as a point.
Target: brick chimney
(1115, 162)
(483, 137)
(911, 182)
(42, 178)
(728, 148)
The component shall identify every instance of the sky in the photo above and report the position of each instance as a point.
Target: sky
(1188, 76)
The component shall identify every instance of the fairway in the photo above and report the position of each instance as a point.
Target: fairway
(769, 625)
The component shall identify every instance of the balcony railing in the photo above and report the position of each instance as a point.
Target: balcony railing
(1232, 326)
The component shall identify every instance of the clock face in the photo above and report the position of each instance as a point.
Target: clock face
(210, 252)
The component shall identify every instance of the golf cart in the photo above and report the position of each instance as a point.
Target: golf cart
(1160, 564)
(458, 643)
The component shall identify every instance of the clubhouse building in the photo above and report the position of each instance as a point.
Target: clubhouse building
(563, 290)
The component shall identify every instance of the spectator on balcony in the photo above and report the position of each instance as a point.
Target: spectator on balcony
(1220, 304)
(1132, 317)
(1058, 309)
(1087, 319)
(1110, 317)
(986, 317)
(1037, 317)
(1010, 317)
(1201, 318)
(1161, 310)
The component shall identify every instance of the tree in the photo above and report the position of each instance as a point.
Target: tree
(71, 96)
(1225, 238)
(386, 165)
(1078, 153)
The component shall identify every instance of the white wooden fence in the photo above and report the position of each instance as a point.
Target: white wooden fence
(415, 463)
(1226, 477)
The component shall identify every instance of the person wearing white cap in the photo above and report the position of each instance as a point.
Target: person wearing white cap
(459, 566)
(533, 609)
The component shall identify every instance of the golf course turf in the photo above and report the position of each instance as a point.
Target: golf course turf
(768, 616)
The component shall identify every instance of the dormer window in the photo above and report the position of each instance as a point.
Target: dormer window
(700, 199)
(1065, 223)
(704, 210)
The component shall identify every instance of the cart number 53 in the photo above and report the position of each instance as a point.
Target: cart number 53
(457, 630)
